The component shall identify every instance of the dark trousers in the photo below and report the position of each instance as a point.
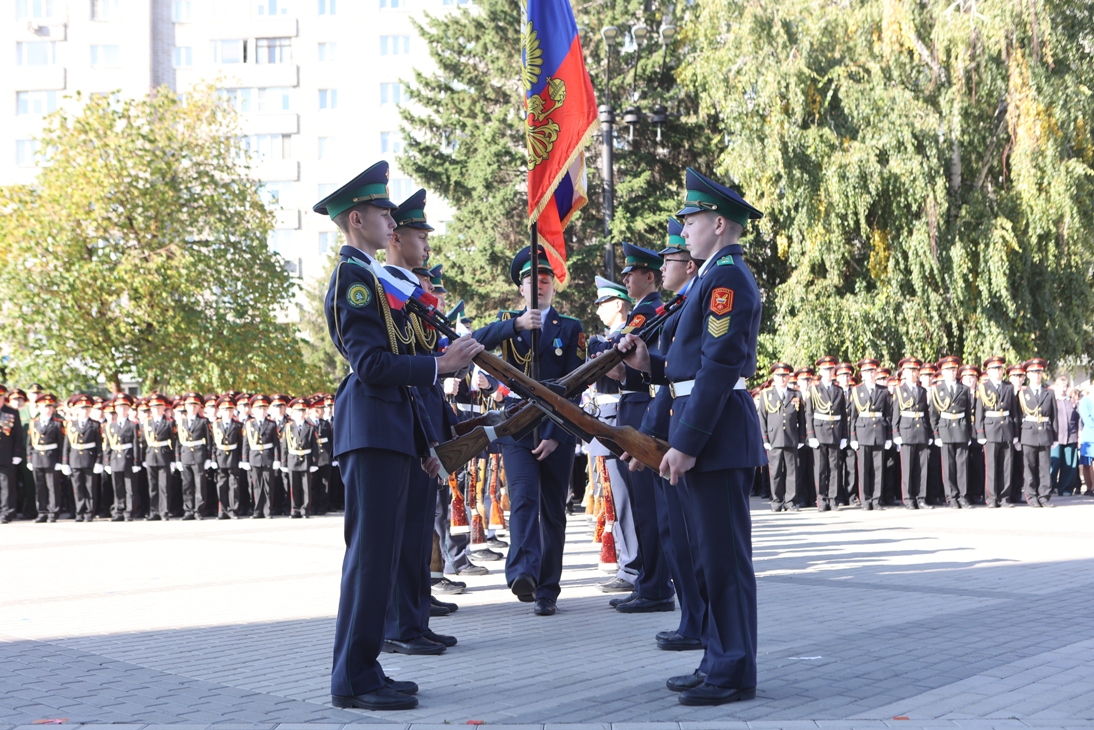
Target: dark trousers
(681, 550)
(83, 489)
(537, 509)
(915, 462)
(193, 488)
(848, 475)
(871, 474)
(159, 480)
(299, 490)
(716, 504)
(1036, 484)
(454, 549)
(653, 577)
(376, 493)
(229, 491)
(8, 477)
(1064, 460)
(955, 471)
(260, 489)
(320, 490)
(826, 470)
(782, 467)
(807, 490)
(976, 483)
(123, 484)
(408, 610)
(997, 471)
(47, 482)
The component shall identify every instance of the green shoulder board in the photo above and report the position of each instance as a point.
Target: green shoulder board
(726, 260)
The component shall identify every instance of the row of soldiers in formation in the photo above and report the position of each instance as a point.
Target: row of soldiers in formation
(984, 434)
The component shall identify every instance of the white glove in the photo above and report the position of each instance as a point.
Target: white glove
(1014, 440)
(136, 469)
(210, 464)
(843, 444)
(30, 465)
(285, 470)
(800, 444)
(888, 445)
(66, 470)
(969, 443)
(981, 441)
(108, 469)
(767, 447)
(97, 469)
(57, 467)
(313, 469)
(277, 466)
(245, 465)
(899, 441)
(16, 461)
(814, 443)
(854, 445)
(175, 466)
(930, 442)
(334, 463)
(1018, 447)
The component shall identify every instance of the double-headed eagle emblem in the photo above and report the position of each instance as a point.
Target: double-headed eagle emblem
(540, 130)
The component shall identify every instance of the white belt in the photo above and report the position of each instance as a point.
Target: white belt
(45, 447)
(159, 444)
(653, 390)
(633, 392)
(323, 440)
(83, 447)
(1036, 419)
(262, 447)
(996, 414)
(299, 452)
(953, 416)
(193, 444)
(606, 398)
(869, 414)
(227, 447)
(122, 447)
(684, 387)
(911, 414)
(823, 417)
(466, 408)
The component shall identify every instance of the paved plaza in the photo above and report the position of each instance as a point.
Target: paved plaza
(929, 619)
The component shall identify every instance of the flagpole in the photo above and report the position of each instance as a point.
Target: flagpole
(535, 301)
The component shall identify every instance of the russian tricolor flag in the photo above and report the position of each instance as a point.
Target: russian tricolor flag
(398, 292)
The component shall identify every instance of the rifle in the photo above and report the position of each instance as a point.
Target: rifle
(552, 401)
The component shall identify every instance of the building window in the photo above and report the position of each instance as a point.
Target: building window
(391, 93)
(26, 150)
(266, 147)
(391, 143)
(275, 99)
(36, 53)
(328, 240)
(272, 50)
(326, 147)
(35, 103)
(327, 52)
(180, 11)
(276, 193)
(400, 188)
(391, 4)
(272, 8)
(104, 9)
(230, 51)
(238, 99)
(183, 57)
(328, 98)
(105, 56)
(33, 9)
(328, 7)
(280, 240)
(394, 45)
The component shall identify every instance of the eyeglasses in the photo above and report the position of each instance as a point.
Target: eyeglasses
(676, 261)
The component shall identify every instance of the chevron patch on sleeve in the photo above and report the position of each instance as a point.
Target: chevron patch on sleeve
(717, 326)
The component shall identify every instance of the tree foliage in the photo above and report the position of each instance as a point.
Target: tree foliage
(141, 251)
(924, 167)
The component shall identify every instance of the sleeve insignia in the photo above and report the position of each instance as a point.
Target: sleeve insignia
(638, 320)
(581, 345)
(721, 301)
(717, 327)
(358, 295)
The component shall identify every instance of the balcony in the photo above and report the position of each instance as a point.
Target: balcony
(35, 78)
(287, 219)
(255, 76)
(40, 30)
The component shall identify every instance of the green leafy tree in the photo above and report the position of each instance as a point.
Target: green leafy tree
(320, 354)
(924, 167)
(465, 142)
(141, 250)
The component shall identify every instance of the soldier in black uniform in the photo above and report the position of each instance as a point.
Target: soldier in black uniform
(847, 474)
(122, 457)
(45, 440)
(12, 451)
(82, 457)
(261, 455)
(951, 419)
(1039, 429)
(192, 451)
(783, 426)
(278, 413)
(227, 435)
(871, 433)
(1016, 376)
(970, 378)
(995, 422)
(802, 381)
(321, 480)
(298, 449)
(825, 412)
(159, 456)
(912, 433)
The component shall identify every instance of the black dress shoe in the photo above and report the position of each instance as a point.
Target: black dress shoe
(436, 611)
(708, 694)
(436, 638)
(384, 698)
(790, 507)
(496, 543)
(118, 518)
(679, 643)
(473, 570)
(450, 607)
(616, 602)
(776, 506)
(486, 555)
(645, 605)
(1046, 503)
(40, 519)
(686, 681)
(524, 588)
(662, 635)
(545, 607)
(1008, 504)
(459, 583)
(922, 504)
(415, 647)
(51, 518)
(295, 515)
(188, 518)
(223, 516)
(615, 585)
(403, 688)
(258, 516)
(444, 585)
(80, 518)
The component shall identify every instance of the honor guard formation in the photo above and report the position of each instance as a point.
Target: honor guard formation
(437, 443)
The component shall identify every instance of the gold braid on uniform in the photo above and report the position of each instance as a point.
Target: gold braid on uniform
(393, 334)
(427, 339)
(990, 401)
(1035, 411)
(858, 404)
(904, 405)
(767, 402)
(941, 406)
(820, 405)
(509, 351)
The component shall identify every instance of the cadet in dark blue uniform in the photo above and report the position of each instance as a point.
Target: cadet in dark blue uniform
(538, 474)
(12, 451)
(715, 435)
(378, 436)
